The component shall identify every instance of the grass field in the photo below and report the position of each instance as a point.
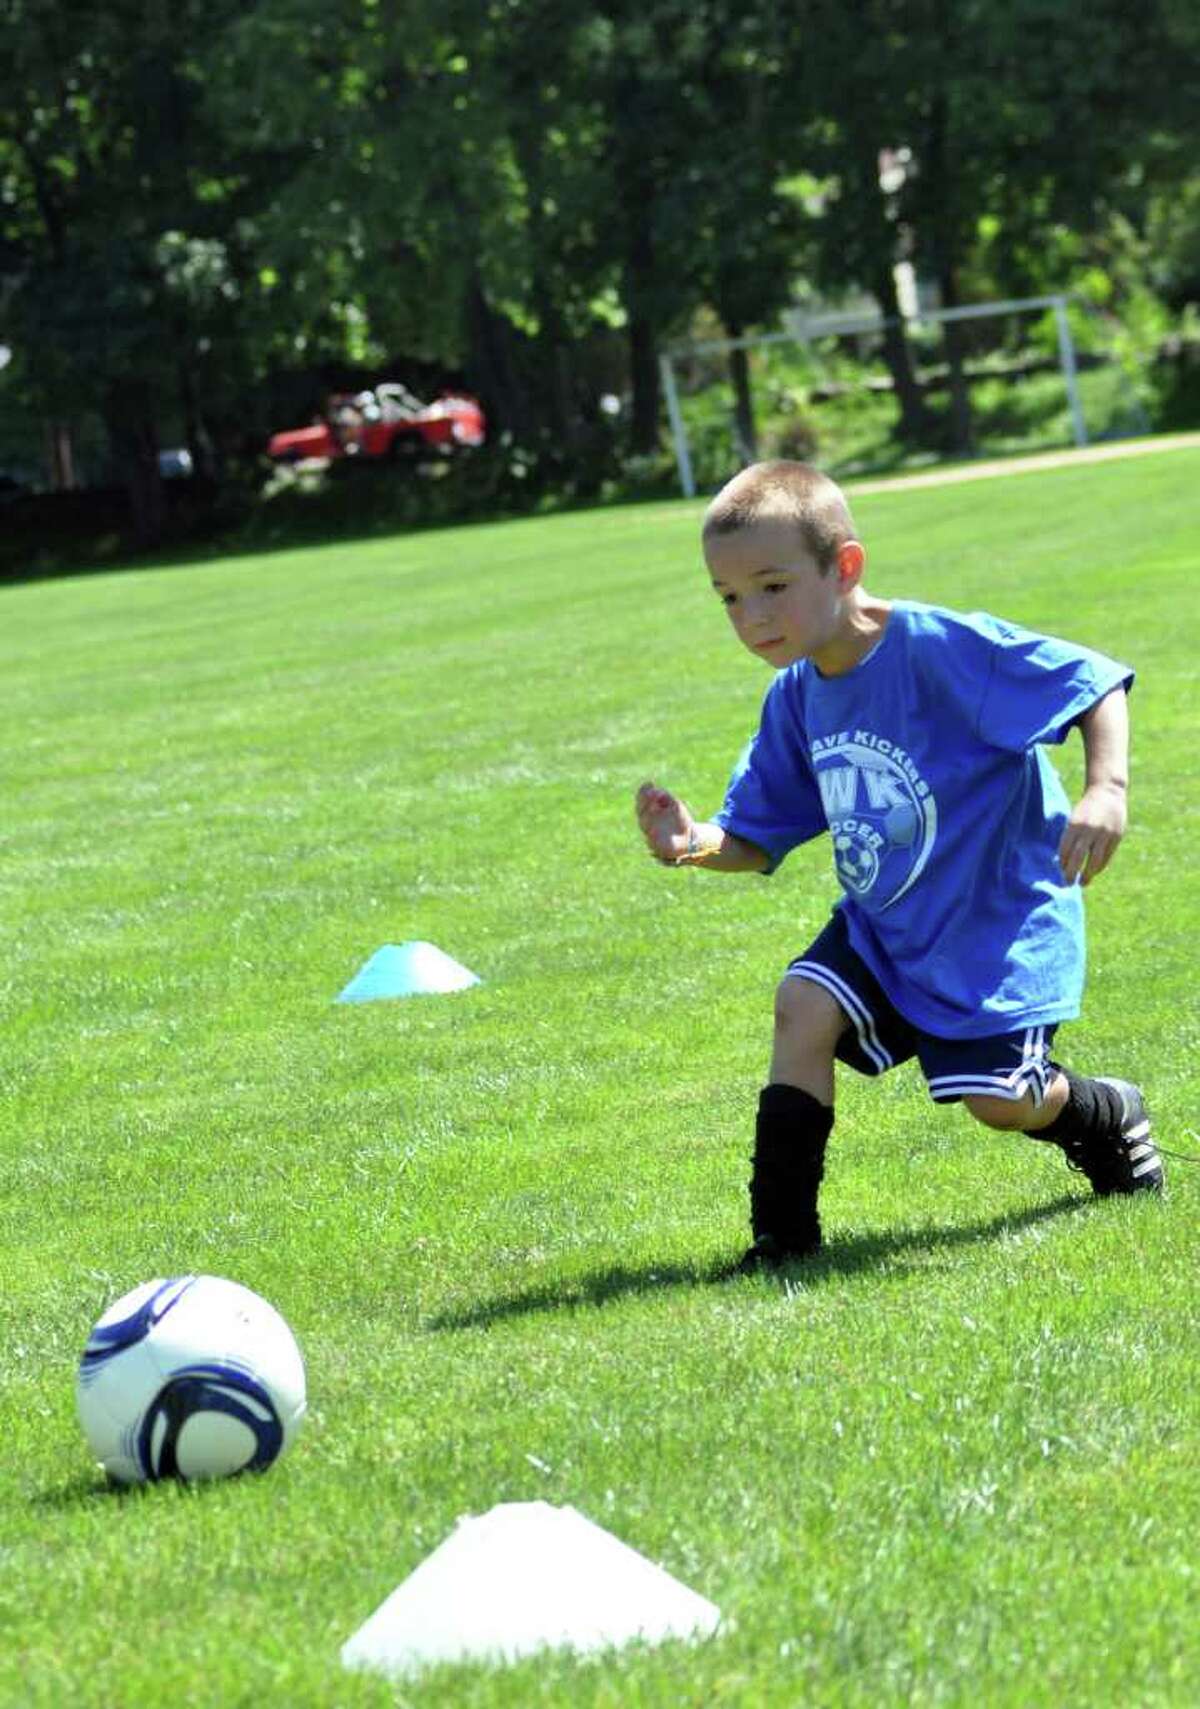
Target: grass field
(955, 1461)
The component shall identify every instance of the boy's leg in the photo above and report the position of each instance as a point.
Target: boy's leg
(827, 1006)
(794, 1121)
(1103, 1127)
(1010, 1082)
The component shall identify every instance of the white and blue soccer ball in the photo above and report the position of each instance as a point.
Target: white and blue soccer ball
(190, 1377)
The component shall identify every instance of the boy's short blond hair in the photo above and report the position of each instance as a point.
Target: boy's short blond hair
(788, 492)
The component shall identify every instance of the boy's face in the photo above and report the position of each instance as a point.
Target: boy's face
(782, 608)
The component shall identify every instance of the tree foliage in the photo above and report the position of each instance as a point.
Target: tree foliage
(539, 195)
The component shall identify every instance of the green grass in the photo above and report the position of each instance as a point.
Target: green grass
(955, 1461)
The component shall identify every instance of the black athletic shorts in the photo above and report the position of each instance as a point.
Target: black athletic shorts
(1003, 1065)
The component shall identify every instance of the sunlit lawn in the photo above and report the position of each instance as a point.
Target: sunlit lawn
(955, 1461)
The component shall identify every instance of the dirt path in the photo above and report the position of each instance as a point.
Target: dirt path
(1028, 465)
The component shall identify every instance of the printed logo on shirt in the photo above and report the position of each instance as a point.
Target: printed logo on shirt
(882, 815)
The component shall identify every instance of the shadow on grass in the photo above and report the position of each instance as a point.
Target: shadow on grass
(85, 1490)
(292, 523)
(92, 1489)
(840, 1257)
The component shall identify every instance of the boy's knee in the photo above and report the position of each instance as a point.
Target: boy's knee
(1005, 1113)
(805, 1010)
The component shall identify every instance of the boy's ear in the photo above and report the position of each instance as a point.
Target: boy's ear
(851, 562)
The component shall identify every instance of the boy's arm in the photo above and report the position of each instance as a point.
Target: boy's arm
(1098, 822)
(675, 838)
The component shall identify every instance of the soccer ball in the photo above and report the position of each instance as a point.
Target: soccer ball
(191, 1377)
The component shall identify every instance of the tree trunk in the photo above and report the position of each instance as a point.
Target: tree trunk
(745, 432)
(62, 457)
(195, 431)
(133, 435)
(552, 367)
(941, 188)
(492, 367)
(558, 414)
(637, 195)
(913, 427)
(962, 434)
(645, 385)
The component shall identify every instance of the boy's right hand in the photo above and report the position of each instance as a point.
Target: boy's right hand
(665, 822)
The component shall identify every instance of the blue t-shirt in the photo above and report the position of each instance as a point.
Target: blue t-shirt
(924, 764)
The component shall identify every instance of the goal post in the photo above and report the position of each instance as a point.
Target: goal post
(863, 324)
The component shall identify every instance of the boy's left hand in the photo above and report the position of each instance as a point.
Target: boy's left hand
(1093, 832)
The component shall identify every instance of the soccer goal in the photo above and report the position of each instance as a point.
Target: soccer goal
(981, 379)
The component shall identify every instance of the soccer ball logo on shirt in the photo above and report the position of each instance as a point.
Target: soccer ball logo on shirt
(856, 859)
(882, 815)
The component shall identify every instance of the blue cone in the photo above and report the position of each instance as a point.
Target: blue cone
(407, 970)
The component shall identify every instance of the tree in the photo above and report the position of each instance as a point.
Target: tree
(746, 229)
(854, 65)
(105, 159)
(446, 182)
(201, 198)
(701, 128)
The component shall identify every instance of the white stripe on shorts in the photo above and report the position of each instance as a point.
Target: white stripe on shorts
(1033, 1075)
(972, 1085)
(852, 1003)
(1037, 1068)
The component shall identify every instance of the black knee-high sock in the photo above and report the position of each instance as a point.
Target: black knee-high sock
(1092, 1111)
(789, 1159)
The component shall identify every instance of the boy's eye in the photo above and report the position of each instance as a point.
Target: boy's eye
(774, 587)
(729, 599)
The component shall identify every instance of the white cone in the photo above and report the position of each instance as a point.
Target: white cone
(524, 1577)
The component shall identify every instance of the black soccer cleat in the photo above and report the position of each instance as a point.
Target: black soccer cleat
(769, 1254)
(1126, 1161)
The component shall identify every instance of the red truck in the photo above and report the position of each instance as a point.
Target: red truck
(387, 421)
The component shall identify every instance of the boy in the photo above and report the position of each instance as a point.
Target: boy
(912, 734)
